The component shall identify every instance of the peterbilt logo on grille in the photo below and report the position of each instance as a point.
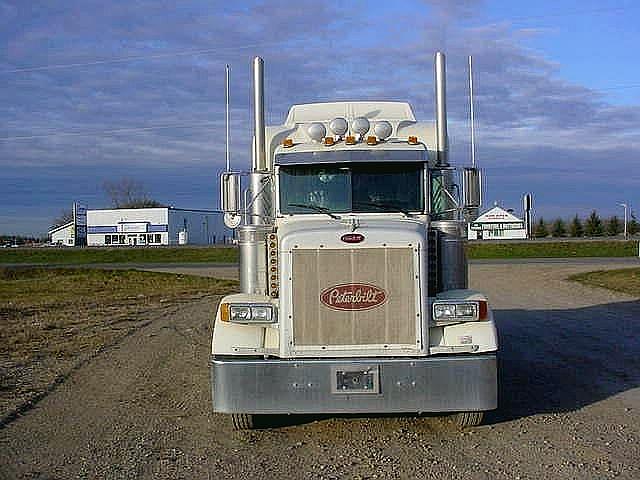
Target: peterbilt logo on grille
(353, 296)
(352, 238)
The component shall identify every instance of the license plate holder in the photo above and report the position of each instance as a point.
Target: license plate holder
(355, 379)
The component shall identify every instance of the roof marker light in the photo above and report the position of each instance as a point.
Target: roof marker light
(339, 126)
(287, 143)
(350, 140)
(382, 129)
(316, 131)
(360, 125)
(329, 141)
(371, 140)
(412, 140)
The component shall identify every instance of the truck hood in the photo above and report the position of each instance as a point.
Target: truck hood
(363, 231)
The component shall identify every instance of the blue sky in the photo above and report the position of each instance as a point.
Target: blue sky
(97, 90)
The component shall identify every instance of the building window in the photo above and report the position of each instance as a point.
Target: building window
(107, 239)
(158, 238)
(143, 238)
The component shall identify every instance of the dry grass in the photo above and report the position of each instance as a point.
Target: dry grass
(625, 280)
(51, 319)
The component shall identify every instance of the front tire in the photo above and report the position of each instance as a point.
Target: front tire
(243, 421)
(468, 419)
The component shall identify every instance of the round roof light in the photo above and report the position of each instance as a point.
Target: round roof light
(338, 126)
(360, 125)
(382, 129)
(316, 131)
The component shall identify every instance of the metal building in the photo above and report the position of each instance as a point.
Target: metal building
(63, 235)
(155, 226)
(497, 224)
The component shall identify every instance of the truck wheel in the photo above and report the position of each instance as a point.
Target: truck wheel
(468, 419)
(243, 421)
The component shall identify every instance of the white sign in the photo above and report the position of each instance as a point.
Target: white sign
(138, 227)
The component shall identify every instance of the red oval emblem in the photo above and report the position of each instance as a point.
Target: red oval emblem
(353, 296)
(352, 237)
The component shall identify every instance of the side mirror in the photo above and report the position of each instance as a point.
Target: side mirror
(230, 192)
(230, 198)
(471, 188)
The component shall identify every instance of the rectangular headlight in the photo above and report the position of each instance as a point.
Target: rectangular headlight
(262, 313)
(251, 314)
(239, 313)
(458, 311)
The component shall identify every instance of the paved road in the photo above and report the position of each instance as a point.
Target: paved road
(570, 403)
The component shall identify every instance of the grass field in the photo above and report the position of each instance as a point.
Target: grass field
(625, 280)
(547, 249)
(51, 318)
(123, 255)
(83, 256)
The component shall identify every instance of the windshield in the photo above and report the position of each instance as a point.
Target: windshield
(360, 188)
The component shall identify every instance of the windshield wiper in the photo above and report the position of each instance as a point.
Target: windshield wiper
(385, 207)
(316, 208)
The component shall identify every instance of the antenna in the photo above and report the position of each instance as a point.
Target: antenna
(473, 137)
(226, 91)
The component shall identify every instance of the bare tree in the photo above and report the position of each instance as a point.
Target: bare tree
(65, 217)
(128, 193)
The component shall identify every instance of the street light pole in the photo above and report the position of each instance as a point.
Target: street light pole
(625, 219)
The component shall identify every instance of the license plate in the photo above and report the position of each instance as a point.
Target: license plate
(355, 379)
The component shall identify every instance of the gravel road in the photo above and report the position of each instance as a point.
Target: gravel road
(569, 404)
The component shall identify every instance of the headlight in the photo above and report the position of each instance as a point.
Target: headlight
(459, 311)
(240, 313)
(247, 313)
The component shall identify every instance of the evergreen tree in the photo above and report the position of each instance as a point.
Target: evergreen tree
(593, 226)
(541, 230)
(632, 226)
(614, 226)
(558, 229)
(575, 228)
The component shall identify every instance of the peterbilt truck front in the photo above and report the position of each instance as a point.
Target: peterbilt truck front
(353, 275)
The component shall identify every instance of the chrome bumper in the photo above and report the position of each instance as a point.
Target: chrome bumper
(435, 384)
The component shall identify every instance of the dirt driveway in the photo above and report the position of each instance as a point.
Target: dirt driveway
(570, 403)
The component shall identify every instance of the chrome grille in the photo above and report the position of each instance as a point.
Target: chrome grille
(390, 269)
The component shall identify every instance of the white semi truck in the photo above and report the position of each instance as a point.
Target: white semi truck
(353, 274)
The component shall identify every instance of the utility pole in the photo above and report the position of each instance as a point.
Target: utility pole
(625, 219)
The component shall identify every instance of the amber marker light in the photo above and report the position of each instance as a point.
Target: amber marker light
(412, 140)
(483, 310)
(350, 140)
(224, 312)
(287, 143)
(329, 141)
(371, 140)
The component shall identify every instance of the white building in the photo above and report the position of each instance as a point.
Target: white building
(73, 233)
(155, 226)
(63, 234)
(496, 224)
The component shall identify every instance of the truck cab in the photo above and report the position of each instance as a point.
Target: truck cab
(353, 275)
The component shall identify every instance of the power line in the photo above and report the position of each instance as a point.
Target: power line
(573, 13)
(135, 58)
(108, 132)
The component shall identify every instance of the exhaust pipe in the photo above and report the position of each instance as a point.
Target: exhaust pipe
(259, 156)
(442, 142)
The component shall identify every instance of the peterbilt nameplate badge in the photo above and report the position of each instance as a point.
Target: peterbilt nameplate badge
(353, 296)
(352, 238)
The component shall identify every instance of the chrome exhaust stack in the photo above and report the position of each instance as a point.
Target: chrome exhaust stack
(259, 153)
(252, 236)
(442, 141)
